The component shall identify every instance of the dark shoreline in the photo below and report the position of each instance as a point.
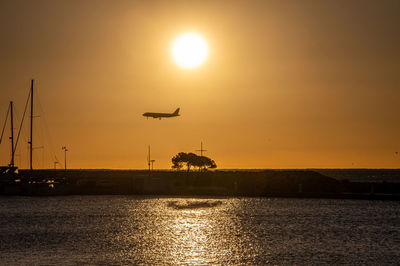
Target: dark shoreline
(263, 183)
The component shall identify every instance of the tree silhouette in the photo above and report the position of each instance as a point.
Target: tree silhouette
(178, 160)
(191, 159)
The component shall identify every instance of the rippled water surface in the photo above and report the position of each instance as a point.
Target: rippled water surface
(148, 230)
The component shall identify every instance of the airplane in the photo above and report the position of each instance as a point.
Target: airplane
(161, 115)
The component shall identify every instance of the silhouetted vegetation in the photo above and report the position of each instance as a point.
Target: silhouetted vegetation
(191, 159)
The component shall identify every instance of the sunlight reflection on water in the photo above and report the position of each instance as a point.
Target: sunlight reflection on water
(147, 230)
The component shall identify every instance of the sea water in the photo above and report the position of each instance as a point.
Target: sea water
(152, 230)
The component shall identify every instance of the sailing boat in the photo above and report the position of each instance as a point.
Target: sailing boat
(27, 182)
(11, 167)
(11, 182)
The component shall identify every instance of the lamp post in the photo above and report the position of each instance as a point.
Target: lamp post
(64, 148)
(148, 158)
(55, 165)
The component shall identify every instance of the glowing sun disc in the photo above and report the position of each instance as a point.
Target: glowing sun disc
(190, 50)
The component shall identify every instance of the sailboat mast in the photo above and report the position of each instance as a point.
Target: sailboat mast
(31, 129)
(12, 134)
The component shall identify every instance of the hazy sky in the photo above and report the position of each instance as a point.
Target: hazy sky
(287, 84)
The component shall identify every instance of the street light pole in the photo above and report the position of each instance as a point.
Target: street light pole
(65, 156)
(148, 159)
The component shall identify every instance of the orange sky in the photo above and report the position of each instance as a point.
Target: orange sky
(288, 84)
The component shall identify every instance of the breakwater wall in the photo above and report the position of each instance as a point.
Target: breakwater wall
(267, 183)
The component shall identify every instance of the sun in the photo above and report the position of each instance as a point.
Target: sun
(190, 50)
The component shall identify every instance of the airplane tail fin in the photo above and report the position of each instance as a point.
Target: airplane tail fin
(176, 112)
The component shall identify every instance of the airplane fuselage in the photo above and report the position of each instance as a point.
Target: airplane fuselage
(161, 115)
